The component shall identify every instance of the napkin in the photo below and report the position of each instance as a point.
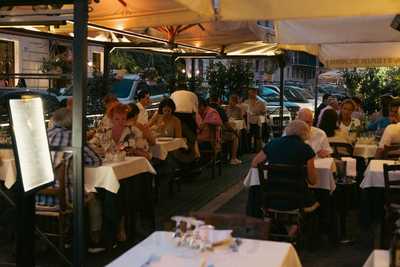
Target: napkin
(351, 166)
(219, 236)
(252, 178)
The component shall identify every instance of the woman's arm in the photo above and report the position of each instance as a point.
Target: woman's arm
(311, 173)
(153, 119)
(146, 133)
(259, 158)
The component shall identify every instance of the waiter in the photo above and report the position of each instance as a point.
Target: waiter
(186, 103)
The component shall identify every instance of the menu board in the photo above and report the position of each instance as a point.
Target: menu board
(31, 142)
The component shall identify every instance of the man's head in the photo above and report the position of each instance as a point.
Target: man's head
(143, 96)
(305, 115)
(333, 102)
(233, 100)
(298, 128)
(63, 117)
(325, 98)
(202, 105)
(252, 93)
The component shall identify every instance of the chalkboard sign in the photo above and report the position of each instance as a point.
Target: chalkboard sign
(31, 146)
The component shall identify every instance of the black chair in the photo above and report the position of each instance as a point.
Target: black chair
(391, 203)
(214, 152)
(286, 184)
(391, 152)
(341, 149)
(60, 212)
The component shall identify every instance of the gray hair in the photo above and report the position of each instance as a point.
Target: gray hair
(63, 118)
(299, 128)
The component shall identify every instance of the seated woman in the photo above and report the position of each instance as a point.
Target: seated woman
(347, 123)
(206, 119)
(109, 137)
(164, 123)
(137, 137)
(292, 150)
(328, 124)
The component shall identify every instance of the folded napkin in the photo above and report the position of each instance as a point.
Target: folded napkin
(252, 178)
(219, 236)
(351, 166)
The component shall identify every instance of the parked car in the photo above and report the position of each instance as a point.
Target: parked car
(126, 89)
(50, 101)
(271, 96)
(292, 94)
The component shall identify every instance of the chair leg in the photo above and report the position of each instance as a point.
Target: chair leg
(213, 168)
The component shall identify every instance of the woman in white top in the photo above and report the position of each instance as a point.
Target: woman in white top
(328, 124)
(138, 137)
(348, 123)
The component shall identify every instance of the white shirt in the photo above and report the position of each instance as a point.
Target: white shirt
(143, 117)
(390, 136)
(318, 140)
(185, 101)
(353, 124)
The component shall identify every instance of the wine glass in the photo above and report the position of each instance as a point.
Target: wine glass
(178, 233)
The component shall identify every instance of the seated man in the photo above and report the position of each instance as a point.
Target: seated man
(318, 140)
(390, 136)
(291, 149)
(61, 135)
(206, 118)
(229, 135)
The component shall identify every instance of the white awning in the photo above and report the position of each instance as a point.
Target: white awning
(239, 10)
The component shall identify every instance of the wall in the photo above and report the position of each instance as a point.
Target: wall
(29, 53)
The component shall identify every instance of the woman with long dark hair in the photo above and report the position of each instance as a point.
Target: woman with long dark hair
(329, 124)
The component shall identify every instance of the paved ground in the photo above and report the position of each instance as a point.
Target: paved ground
(224, 194)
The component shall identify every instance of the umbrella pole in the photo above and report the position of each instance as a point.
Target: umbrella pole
(316, 84)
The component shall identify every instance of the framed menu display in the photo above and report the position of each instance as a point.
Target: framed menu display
(31, 146)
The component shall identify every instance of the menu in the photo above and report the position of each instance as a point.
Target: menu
(31, 142)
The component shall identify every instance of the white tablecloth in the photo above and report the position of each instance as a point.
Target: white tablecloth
(324, 167)
(254, 253)
(378, 258)
(161, 148)
(365, 150)
(238, 124)
(8, 172)
(107, 176)
(373, 176)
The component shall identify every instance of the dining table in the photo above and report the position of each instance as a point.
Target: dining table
(325, 168)
(378, 258)
(237, 125)
(160, 249)
(365, 150)
(373, 175)
(164, 145)
(106, 176)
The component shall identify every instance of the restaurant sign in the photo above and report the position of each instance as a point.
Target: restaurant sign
(31, 147)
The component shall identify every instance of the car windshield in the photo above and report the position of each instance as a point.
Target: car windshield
(294, 95)
(122, 88)
(269, 94)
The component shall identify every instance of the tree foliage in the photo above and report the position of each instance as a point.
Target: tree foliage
(224, 81)
(370, 84)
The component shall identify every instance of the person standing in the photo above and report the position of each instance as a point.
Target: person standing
(255, 109)
(143, 100)
(186, 104)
